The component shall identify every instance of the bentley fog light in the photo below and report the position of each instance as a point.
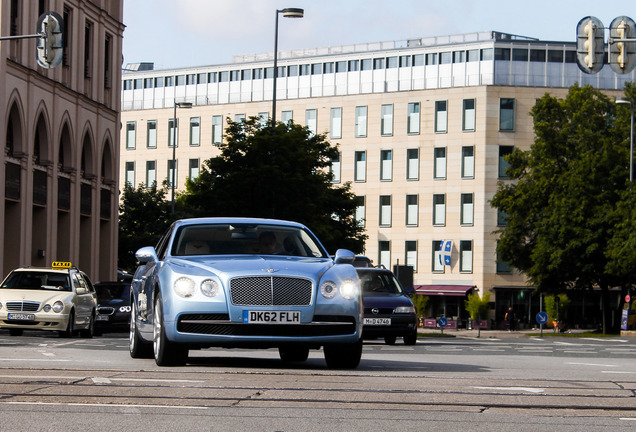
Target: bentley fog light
(328, 289)
(184, 287)
(209, 288)
(404, 309)
(58, 306)
(349, 289)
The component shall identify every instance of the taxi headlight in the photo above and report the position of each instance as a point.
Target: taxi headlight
(47, 308)
(209, 288)
(184, 287)
(328, 289)
(404, 310)
(349, 289)
(0, 306)
(58, 306)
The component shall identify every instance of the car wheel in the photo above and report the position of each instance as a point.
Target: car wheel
(411, 338)
(166, 353)
(343, 356)
(137, 347)
(390, 340)
(16, 332)
(70, 328)
(293, 353)
(90, 330)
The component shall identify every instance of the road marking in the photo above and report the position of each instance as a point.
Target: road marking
(592, 364)
(628, 418)
(32, 359)
(48, 354)
(98, 380)
(605, 340)
(618, 372)
(106, 405)
(525, 389)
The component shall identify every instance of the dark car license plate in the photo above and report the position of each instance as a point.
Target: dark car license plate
(21, 317)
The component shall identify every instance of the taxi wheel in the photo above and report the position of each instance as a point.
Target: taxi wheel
(166, 353)
(90, 330)
(293, 354)
(343, 356)
(390, 340)
(70, 328)
(16, 332)
(137, 347)
(411, 338)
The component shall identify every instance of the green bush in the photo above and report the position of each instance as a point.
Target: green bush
(477, 306)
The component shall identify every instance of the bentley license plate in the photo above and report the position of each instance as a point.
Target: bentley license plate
(377, 321)
(21, 317)
(271, 317)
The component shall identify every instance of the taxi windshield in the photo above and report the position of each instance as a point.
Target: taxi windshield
(37, 281)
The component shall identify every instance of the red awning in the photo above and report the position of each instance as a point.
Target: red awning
(445, 290)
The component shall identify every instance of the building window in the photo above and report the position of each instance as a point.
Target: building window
(263, 118)
(468, 115)
(287, 117)
(467, 209)
(410, 254)
(439, 168)
(88, 48)
(386, 120)
(385, 210)
(130, 135)
(239, 118)
(151, 174)
(334, 169)
(361, 121)
(384, 253)
(412, 210)
(361, 212)
(437, 265)
(172, 173)
(335, 123)
(217, 129)
(311, 120)
(195, 131)
(503, 163)
(386, 165)
(412, 164)
(193, 169)
(151, 134)
(468, 162)
(441, 117)
(130, 174)
(361, 166)
(173, 133)
(506, 114)
(439, 209)
(503, 266)
(466, 256)
(502, 218)
(108, 52)
(413, 118)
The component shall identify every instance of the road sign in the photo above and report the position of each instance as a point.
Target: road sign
(627, 298)
(442, 322)
(542, 318)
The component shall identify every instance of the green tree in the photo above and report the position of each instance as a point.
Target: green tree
(562, 222)
(478, 308)
(144, 216)
(279, 172)
(557, 310)
(421, 303)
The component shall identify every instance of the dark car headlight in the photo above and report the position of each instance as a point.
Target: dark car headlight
(404, 310)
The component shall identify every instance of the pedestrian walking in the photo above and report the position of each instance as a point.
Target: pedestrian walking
(511, 317)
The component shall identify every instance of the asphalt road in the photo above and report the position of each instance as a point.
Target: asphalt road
(494, 384)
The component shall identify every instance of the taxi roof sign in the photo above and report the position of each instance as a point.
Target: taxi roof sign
(61, 264)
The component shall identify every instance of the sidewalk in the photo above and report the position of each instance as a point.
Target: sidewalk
(486, 334)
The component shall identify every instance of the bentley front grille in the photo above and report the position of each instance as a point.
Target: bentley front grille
(270, 291)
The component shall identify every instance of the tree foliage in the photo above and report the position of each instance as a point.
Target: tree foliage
(570, 213)
(276, 172)
(144, 216)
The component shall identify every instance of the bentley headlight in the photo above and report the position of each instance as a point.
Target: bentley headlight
(328, 289)
(58, 306)
(404, 310)
(209, 288)
(47, 308)
(349, 289)
(184, 287)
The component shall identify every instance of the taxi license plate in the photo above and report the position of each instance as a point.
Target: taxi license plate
(271, 317)
(377, 321)
(21, 317)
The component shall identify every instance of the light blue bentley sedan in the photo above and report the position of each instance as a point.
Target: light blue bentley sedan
(245, 283)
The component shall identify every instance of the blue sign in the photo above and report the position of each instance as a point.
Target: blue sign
(446, 248)
(542, 318)
(442, 322)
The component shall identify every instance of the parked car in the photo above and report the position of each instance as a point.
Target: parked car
(113, 306)
(252, 283)
(388, 311)
(59, 298)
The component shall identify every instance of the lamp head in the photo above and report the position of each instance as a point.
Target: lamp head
(293, 12)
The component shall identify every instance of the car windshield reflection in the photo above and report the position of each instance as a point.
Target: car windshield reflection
(38, 281)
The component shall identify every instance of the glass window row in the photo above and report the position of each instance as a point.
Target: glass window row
(464, 255)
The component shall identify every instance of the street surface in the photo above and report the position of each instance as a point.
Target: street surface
(493, 383)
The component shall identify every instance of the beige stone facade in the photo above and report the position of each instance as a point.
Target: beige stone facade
(60, 129)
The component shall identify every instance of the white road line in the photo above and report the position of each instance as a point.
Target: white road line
(32, 360)
(106, 405)
(592, 364)
(628, 418)
(525, 389)
(619, 372)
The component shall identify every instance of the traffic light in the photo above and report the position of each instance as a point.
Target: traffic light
(50, 48)
(590, 44)
(622, 53)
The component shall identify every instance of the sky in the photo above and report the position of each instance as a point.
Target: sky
(185, 33)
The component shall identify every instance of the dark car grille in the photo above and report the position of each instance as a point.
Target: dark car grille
(219, 324)
(270, 291)
(381, 311)
(23, 306)
(105, 310)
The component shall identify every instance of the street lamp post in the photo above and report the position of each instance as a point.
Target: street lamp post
(631, 135)
(287, 13)
(173, 180)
